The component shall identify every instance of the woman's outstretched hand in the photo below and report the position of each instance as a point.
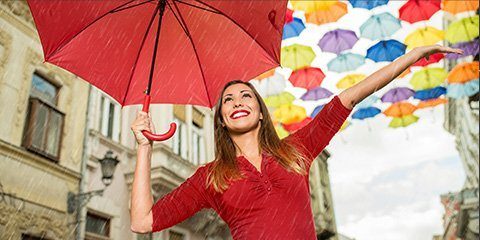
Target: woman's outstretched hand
(141, 123)
(426, 51)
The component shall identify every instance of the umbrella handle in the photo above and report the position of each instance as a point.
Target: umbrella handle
(157, 137)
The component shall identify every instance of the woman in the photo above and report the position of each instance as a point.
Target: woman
(258, 184)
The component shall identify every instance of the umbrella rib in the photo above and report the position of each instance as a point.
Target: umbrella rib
(195, 50)
(138, 54)
(131, 6)
(195, 6)
(63, 44)
(178, 20)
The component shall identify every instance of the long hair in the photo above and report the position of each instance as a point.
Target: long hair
(224, 168)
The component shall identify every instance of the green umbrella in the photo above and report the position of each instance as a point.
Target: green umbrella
(463, 30)
(403, 121)
(297, 56)
(428, 78)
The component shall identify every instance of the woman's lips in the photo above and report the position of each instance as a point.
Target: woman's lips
(239, 114)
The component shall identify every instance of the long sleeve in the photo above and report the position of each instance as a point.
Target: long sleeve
(181, 203)
(316, 135)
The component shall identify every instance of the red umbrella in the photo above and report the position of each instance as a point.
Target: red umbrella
(434, 58)
(309, 77)
(293, 127)
(418, 10)
(175, 51)
(288, 16)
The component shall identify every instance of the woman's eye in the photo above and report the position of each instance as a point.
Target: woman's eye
(247, 95)
(227, 99)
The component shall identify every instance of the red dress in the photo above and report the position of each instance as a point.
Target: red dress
(271, 204)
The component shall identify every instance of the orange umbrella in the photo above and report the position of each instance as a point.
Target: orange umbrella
(431, 102)
(455, 6)
(404, 73)
(328, 14)
(400, 109)
(266, 74)
(463, 72)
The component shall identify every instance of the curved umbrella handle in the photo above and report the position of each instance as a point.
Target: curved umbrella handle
(152, 136)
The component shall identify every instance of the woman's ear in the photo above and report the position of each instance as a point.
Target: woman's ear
(261, 116)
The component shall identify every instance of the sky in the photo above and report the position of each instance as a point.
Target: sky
(386, 183)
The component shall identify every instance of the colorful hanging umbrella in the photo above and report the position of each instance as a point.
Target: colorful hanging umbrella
(290, 113)
(456, 6)
(279, 99)
(316, 110)
(293, 127)
(271, 85)
(281, 132)
(115, 45)
(469, 49)
(418, 10)
(431, 103)
(423, 37)
(311, 6)
(380, 26)
(288, 16)
(428, 78)
(403, 121)
(467, 89)
(434, 58)
(293, 28)
(463, 72)
(297, 56)
(316, 94)
(326, 15)
(266, 74)
(364, 113)
(346, 62)
(400, 109)
(431, 93)
(350, 80)
(367, 102)
(337, 41)
(309, 77)
(367, 4)
(397, 94)
(388, 51)
(404, 73)
(345, 125)
(463, 30)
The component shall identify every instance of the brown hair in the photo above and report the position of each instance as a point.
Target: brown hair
(225, 169)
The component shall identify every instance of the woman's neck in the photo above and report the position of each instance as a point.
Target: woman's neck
(247, 143)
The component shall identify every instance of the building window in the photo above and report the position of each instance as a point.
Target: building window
(198, 145)
(97, 227)
(173, 235)
(180, 139)
(44, 123)
(109, 118)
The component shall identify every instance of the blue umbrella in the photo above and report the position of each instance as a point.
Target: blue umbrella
(293, 28)
(368, 4)
(380, 26)
(430, 93)
(387, 51)
(317, 110)
(367, 102)
(367, 112)
(463, 90)
(346, 62)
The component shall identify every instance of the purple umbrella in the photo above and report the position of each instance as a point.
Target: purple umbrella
(316, 94)
(337, 41)
(469, 48)
(397, 94)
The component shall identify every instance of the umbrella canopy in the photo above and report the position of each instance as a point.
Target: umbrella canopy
(404, 73)
(464, 72)
(467, 89)
(328, 14)
(367, 102)
(350, 80)
(293, 127)
(403, 121)
(288, 16)
(310, 6)
(266, 74)
(428, 94)
(434, 58)
(428, 78)
(397, 94)
(271, 85)
(316, 110)
(289, 113)
(400, 109)
(293, 28)
(345, 125)
(337, 41)
(388, 51)
(423, 37)
(316, 94)
(469, 49)
(380, 26)
(346, 62)
(281, 132)
(112, 44)
(364, 113)
(297, 56)
(418, 10)
(279, 99)
(309, 77)
(431, 103)
(455, 6)
(367, 4)
(463, 30)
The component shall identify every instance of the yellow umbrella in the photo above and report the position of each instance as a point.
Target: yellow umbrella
(456, 6)
(423, 37)
(431, 102)
(344, 125)
(281, 132)
(403, 121)
(400, 109)
(350, 80)
(296, 56)
(463, 72)
(279, 99)
(463, 30)
(428, 78)
(328, 14)
(311, 6)
(289, 113)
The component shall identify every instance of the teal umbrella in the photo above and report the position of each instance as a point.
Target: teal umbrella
(367, 102)
(380, 26)
(346, 62)
(467, 89)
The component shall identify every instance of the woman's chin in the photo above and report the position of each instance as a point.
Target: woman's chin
(241, 128)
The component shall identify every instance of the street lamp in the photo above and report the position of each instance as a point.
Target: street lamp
(108, 164)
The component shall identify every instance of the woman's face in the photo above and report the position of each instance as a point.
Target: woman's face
(240, 108)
